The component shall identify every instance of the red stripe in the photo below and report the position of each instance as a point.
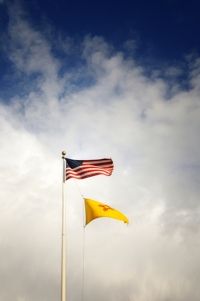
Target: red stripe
(88, 167)
(98, 162)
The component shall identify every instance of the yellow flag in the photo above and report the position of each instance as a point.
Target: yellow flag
(94, 209)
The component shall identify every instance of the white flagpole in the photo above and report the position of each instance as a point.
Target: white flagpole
(63, 253)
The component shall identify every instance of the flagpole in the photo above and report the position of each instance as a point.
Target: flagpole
(63, 253)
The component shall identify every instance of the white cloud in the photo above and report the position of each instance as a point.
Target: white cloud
(155, 147)
(173, 71)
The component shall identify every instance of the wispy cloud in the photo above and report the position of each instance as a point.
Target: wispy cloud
(106, 106)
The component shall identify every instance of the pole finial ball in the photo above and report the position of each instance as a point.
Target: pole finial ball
(63, 153)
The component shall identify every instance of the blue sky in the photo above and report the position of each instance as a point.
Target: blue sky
(167, 28)
(119, 80)
(161, 31)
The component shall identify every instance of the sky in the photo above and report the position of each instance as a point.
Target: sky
(100, 79)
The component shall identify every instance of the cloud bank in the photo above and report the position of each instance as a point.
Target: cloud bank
(93, 101)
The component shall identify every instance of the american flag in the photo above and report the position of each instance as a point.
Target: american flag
(81, 169)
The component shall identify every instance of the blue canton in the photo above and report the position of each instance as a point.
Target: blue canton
(73, 163)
